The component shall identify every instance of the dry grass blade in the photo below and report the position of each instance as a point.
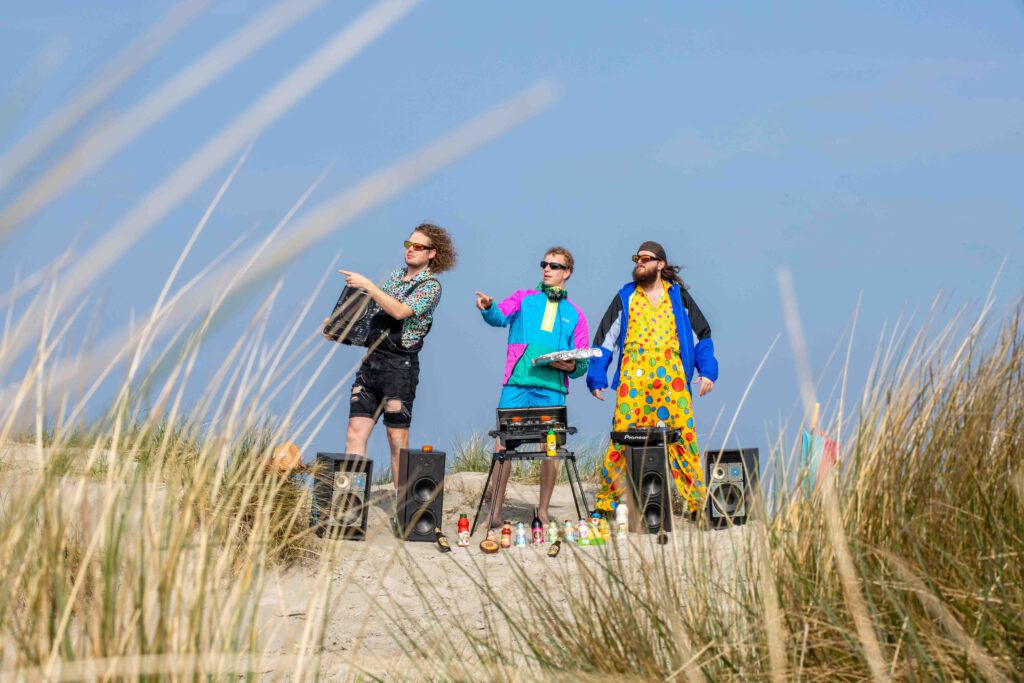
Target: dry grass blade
(116, 72)
(191, 173)
(942, 615)
(252, 269)
(833, 516)
(110, 138)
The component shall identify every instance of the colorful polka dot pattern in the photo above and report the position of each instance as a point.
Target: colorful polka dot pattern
(652, 393)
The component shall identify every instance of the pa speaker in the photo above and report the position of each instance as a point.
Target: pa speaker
(420, 494)
(732, 478)
(649, 487)
(341, 495)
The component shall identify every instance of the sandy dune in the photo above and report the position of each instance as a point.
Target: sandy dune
(382, 576)
(380, 586)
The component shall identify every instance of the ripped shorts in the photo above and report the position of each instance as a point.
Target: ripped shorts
(382, 377)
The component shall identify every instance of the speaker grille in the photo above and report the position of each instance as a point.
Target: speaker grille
(420, 494)
(340, 493)
(726, 500)
(652, 484)
(348, 509)
(424, 489)
(425, 524)
(653, 516)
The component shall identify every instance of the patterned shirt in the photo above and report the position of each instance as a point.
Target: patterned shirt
(652, 328)
(422, 301)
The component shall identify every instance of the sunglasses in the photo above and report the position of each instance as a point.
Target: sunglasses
(416, 247)
(553, 266)
(637, 258)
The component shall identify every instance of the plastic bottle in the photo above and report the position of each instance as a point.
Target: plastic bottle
(506, 535)
(604, 531)
(520, 535)
(552, 443)
(463, 530)
(621, 520)
(594, 530)
(537, 529)
(551, 533)
(583, 536)
(569, 531)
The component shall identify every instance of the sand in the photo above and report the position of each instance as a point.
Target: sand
(381, 576)
(379, 587)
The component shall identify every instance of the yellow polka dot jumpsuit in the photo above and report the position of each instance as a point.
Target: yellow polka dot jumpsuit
(652, 392)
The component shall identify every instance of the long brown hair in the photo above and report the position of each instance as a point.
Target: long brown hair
(671, 273)
(441, 242)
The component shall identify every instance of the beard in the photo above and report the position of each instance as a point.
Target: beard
(646, 278)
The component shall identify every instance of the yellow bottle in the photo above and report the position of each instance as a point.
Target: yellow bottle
(552, 443)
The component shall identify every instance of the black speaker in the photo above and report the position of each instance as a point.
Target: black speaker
(420, 494)
(732, 477)
(341, 495)
(649, 486)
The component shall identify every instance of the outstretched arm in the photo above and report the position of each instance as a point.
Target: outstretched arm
(499, 315)
(387, 303)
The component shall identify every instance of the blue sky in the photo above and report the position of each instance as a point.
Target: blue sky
(873, 148)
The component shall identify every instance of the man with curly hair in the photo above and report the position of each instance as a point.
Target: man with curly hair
(387, 379)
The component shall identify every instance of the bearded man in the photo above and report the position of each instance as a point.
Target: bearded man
(652, 322)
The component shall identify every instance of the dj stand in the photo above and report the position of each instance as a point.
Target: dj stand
(524, 426)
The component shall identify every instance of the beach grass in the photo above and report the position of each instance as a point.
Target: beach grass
(920, 568)
(144, 545)
(142, 524)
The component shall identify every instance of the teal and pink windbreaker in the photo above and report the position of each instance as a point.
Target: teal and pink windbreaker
(537, 326)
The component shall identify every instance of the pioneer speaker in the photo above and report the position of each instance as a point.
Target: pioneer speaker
(341, 494)
(420, 493)
(648, 481)
(732, 478)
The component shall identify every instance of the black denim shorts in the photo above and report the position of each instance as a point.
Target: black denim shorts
(382, 377)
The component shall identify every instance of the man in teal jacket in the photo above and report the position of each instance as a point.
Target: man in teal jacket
(540, 321)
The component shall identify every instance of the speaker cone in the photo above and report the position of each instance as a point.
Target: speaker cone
(718, 473)
(425, 523)
(347, 509)
(726, 499)
(423, 491)
(342, 481)
(651, 484)
(653, 516)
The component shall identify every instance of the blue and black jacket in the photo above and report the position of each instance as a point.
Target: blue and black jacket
(611, 333)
